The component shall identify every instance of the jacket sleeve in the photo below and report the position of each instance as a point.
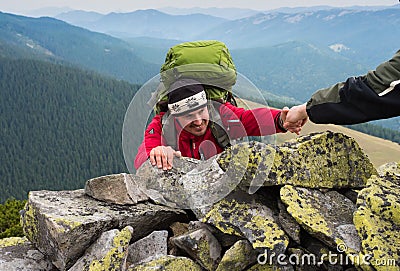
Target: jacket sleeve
(255, 122)
(152, 139)
(375, 95)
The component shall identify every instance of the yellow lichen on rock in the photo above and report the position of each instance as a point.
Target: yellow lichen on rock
(64, 224)
(382, 198)
(239, 256)
(319, 160)
(13, 241)
(29, 222)
(303, 211)
(204, 251)
(377, 221)
(327, 160)
(391, 168)
(380, 239)
(252, 221)
(115, 257)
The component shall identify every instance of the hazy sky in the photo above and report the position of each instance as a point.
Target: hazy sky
(106, 6)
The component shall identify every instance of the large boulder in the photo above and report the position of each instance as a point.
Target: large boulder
(377, 220)
(326, 216)
(62, 224)
(189, 184)
(320, 160)
(252, 221)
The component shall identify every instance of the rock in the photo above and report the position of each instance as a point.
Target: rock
(382, 197)
(177, 229)
(149, 248)
(377, 221)
(18, 254)
(254, 222)
(226, 240)
(326, 216)
(238, 257)
(62, 224)
(320, 160)
(189, 184)
(289, 224)
(202, 246)
(391, 168)
(117, 188)
(302, 210)
(168, 263)
(108, 252)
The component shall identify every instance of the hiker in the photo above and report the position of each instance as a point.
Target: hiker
(191, 119)
(373, 96)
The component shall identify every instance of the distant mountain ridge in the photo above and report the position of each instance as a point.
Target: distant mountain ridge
(226, 13)
(54, 40)
(147, 23)
(323, 26)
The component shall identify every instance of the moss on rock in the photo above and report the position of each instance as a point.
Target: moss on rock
(377, 221)
(237, 257)
(254, 222)
(202, 246)
(319, 160)
(115, 258)
(382, 198)
(391, 168)
(13, 241)
(326, 216)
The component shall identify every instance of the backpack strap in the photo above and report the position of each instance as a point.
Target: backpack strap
(216, 125)
(169, 130)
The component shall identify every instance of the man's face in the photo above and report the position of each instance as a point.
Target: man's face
(195, 122)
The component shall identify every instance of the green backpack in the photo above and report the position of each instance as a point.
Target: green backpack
(208, 62)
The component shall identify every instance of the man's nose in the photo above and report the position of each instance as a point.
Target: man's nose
(197, 121)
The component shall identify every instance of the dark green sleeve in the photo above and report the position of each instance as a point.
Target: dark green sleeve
(357, 99)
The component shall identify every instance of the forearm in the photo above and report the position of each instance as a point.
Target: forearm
(263, 121)
(358, 103)
(152, 139)
(359, 99)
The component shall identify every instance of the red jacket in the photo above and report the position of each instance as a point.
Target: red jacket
(237, 121)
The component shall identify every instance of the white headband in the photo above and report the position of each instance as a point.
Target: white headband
(188, 104)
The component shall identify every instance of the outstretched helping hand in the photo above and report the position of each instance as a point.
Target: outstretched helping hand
(294, 118)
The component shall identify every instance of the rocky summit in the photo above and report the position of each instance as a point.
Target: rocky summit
(313, 203)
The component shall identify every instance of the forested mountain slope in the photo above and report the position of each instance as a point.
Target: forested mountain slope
(59, 126)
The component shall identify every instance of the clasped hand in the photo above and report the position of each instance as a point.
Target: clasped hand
(294, 118)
